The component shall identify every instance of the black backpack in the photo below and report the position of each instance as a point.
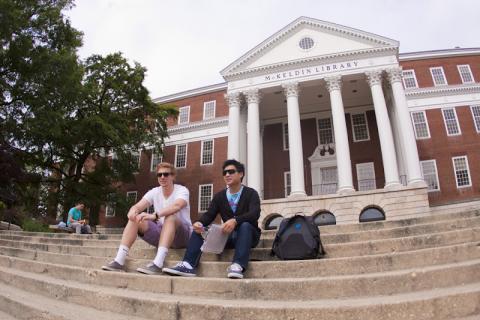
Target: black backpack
(297, 238)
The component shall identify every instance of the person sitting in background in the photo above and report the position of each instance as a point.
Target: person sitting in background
(74, 219)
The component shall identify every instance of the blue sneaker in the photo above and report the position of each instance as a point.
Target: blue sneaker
(235, 271)
(180, 269)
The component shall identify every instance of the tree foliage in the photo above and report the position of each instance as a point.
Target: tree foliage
(75, 123)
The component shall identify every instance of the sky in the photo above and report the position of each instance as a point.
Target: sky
(184, 44)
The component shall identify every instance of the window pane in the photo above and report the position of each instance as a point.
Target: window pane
(429, 172)
(207, 152)
(183, 115)
(285, 136)
(420, 125)
(438, 76)
(324, 219)
(461, 171)
(181, 156)
(156, 159)
(205, 197)
(325, 131)
(451, 122)
(209, 110)
(287, 183)
(273, 223)
(476, 116)
(360, 129)
(465, 73)
(409, 80)
(371, 214)
(366, 176)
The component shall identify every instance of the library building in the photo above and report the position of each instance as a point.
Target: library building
(332, 122)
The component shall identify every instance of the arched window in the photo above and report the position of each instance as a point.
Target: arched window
(372, 214)
(324, 218)
(273, 222)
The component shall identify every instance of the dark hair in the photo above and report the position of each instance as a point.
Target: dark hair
(79, 202)
(237, 164)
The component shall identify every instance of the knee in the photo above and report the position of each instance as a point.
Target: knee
(170, 219)
(245, 227)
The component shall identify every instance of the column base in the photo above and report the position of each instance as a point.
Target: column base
(345, 190)
(297, 195)
(391, 186)
(417, 183)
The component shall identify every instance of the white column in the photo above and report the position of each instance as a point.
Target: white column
(243, 139)
(253, 141)
(414, 174)
(295, 148)
(344, 163)
(233, 151)
(374, 79)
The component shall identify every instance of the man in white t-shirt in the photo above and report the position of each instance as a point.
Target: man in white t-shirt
(169, 226)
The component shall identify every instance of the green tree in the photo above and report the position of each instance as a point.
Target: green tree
(77, 124)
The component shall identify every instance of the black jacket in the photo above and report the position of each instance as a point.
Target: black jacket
(248, 208)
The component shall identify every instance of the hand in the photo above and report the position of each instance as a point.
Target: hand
(132, 213)
(229, 226)
(198, 227)
(144, 217)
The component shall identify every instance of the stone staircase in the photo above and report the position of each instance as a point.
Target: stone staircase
(422, 268)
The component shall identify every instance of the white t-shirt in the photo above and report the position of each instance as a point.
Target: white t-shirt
(155, 197)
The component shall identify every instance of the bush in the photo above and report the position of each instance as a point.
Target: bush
(33, 225)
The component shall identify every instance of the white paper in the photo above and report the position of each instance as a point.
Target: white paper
(215, 239)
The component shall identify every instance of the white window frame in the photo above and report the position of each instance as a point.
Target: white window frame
(132, 192)
(200, 195)
(369, 166)
(412, 77)
(468, 172)
(434, 162)
(286, 186)
(476, 117)
(331, 130)
(182, 109)
(456, 122)
(432, 69)
(207, 104)
(467, 66)
(153, 167)
(176, 154)
(108, 208)
(138, 154)
(425, 122)
(353, 127)
(285, 136)
(202, 152)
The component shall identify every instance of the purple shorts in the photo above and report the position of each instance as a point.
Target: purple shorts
(152, 236)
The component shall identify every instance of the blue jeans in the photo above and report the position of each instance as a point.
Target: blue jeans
(242, 239)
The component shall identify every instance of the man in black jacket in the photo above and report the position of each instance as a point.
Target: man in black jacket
(239, 208)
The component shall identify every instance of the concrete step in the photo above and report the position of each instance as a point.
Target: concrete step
(311, 288)
(295, 268)
(438, 304)
(141, 250)
(26, 305)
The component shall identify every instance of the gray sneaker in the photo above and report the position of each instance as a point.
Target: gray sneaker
(114, 266)
(151, 269)
(235, 271)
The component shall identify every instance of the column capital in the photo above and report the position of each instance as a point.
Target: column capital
(233, 99)
(394, 74)
(291, 89)
(374, 77)
(333, 83)
(252, 96)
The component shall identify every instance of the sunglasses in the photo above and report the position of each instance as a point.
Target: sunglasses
(165, 174)
(229, 171)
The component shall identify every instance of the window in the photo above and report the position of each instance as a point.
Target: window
(360, 127)
(476, 116)
(184, 115)
(204, 196)
(420, 125)
(324, 218)
(273, 222)
(136, 157)
(430, 174)
(438, 76)
(451, 122)
(371, 214)
(181, 156)
(209, 110)
(409, 79)
(151, 209)
(287, 182)
(285, 136)
(110, 206)
(207, 152)
(328, 181)
(156, 159)
(132, 197)
(366, 176)
(325, 131)
(465, 73)
(462, 173)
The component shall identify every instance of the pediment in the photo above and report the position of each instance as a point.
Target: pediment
(329, 40)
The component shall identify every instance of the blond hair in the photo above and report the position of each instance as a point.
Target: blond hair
(168, 166)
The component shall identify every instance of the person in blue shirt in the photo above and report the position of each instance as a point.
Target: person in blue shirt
(74, 219)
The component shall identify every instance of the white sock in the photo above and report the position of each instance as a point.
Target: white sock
(122, 254)
(160, 257)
